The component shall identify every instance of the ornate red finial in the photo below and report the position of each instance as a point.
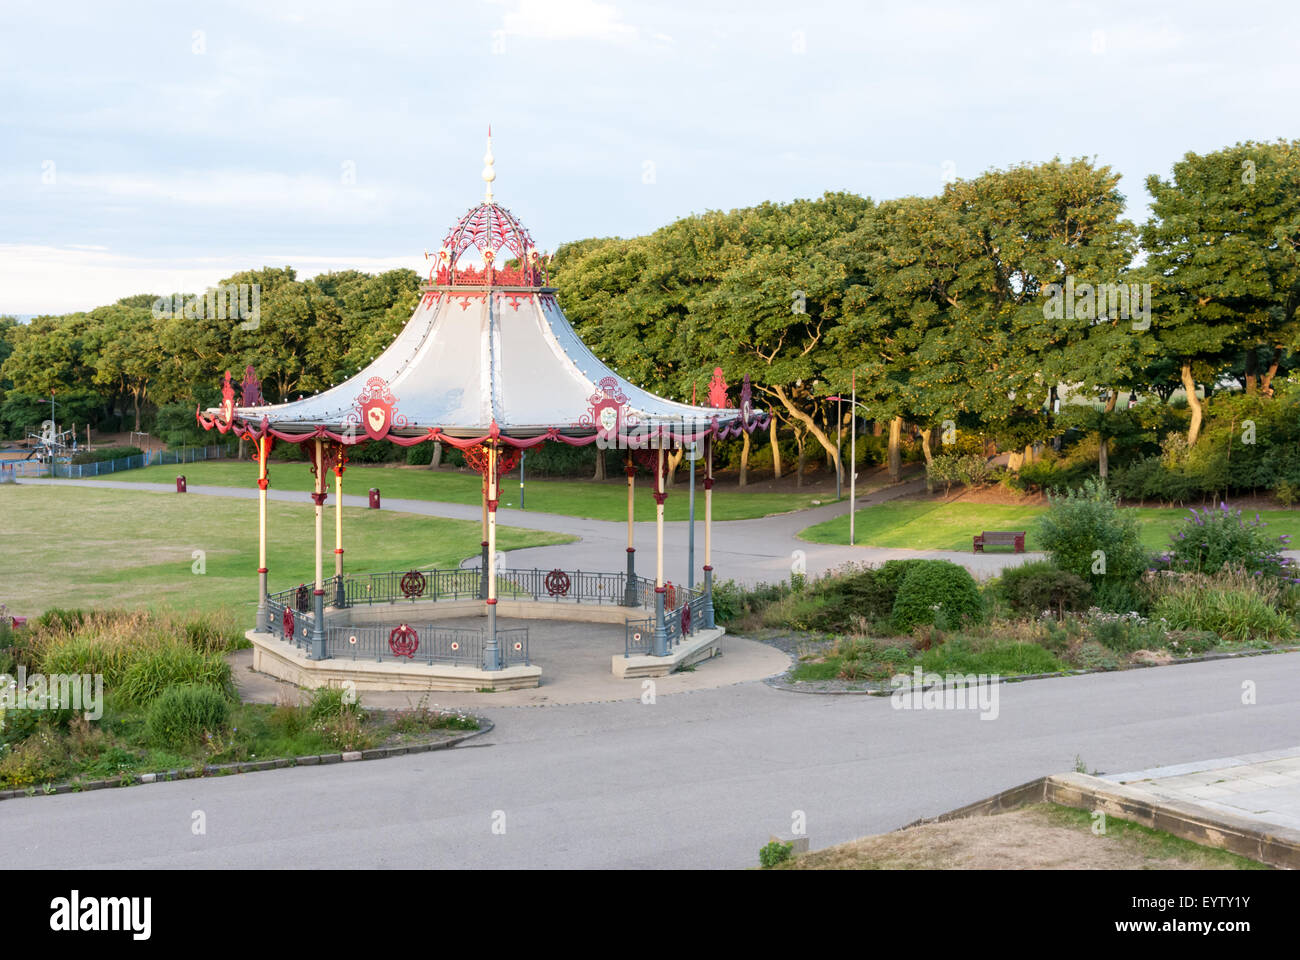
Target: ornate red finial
(717, 389)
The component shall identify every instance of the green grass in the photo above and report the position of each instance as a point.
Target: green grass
(82, 547)
(573, 498)
(1155, 845)
(950, 526)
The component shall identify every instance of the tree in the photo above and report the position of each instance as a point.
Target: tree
(1222, 248)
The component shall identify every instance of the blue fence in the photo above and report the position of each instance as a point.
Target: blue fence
(18, 469)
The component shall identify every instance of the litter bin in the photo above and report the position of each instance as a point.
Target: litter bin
(374, 498)
(180, 484)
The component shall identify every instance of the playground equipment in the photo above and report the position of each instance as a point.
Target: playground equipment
(52, 443)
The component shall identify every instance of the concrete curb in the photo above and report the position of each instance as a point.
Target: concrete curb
(248, 766)
(1274, 845)
(779, 683)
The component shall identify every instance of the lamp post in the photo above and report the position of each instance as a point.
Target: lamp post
(853, 454)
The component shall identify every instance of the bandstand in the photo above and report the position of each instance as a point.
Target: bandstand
(488, 364)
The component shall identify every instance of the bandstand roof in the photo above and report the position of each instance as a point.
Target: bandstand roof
(487, 352)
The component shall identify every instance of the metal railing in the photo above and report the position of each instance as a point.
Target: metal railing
(79, 471)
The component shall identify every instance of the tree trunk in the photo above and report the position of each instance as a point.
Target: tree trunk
(1266, 382)
(926, 436)
(1103, 458)
(135, 398)
(674, 460)
(803, 417)
(1252, 370)
(744, 458)
(895, 454)
(600, 465)
(802, 442)
(776, 450)
(436, 461)
(1193, 403)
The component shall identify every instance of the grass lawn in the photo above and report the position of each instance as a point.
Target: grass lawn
(81, 547)
(950, 526)
(1038, 837)
(574, 498)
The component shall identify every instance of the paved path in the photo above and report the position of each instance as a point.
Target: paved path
(749, 551)
(695, 780)
(1264, 787)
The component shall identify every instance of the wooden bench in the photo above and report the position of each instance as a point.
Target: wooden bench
(1001, 538)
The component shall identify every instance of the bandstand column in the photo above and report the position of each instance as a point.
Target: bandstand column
(339, 597)
(492, 651)
(263, 481)
(661, 625)
(630, 592)
(708, 533)
(318, 597)
(483, 565)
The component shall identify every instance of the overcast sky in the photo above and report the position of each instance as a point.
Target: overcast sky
(151, 147)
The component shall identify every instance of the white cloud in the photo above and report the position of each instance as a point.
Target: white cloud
(565, 19)
(49, 279)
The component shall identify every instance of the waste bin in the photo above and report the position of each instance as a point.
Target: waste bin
(374, 498)
(180, 484)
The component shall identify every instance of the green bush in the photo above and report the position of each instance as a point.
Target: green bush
(773, 853)
(102, 454)
(1215, 537)
(936, 591)
(1093, 656)
(1236, 615)
(181, 715)
(1032, 588)
(420, 455)
(153, 671)
(1125, 633)
(1085, 521)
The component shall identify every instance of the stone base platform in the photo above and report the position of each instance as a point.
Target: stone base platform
(284, 661)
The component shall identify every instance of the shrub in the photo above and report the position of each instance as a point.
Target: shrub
(1191, 642)
(103, 454)
(1093, 656)
(181, 715)
(1218, 537)
(36, 759)
(1034, 587)
(155, 670)
(1235, 606)
(773, 853)
(936, 591)
(1085, 521)
(419, 455)
(1125, 633)
(329, 702)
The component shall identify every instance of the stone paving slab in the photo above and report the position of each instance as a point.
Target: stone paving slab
(1263, 787)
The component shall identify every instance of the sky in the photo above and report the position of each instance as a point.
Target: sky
(156, 147)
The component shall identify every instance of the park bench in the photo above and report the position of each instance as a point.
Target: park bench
(1000, 538)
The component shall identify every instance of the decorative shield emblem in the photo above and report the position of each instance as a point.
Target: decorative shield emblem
(607, 410)
(403, 641)
(377, 409)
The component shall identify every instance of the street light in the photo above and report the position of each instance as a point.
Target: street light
(853, 454)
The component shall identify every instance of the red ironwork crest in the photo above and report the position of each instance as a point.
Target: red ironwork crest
(557, 583)
(227, 400)
(377, 409)
(403, 641)
(607, 410)
(670, 596)
(413, 584)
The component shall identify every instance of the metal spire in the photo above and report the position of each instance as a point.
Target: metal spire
(489, 174)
